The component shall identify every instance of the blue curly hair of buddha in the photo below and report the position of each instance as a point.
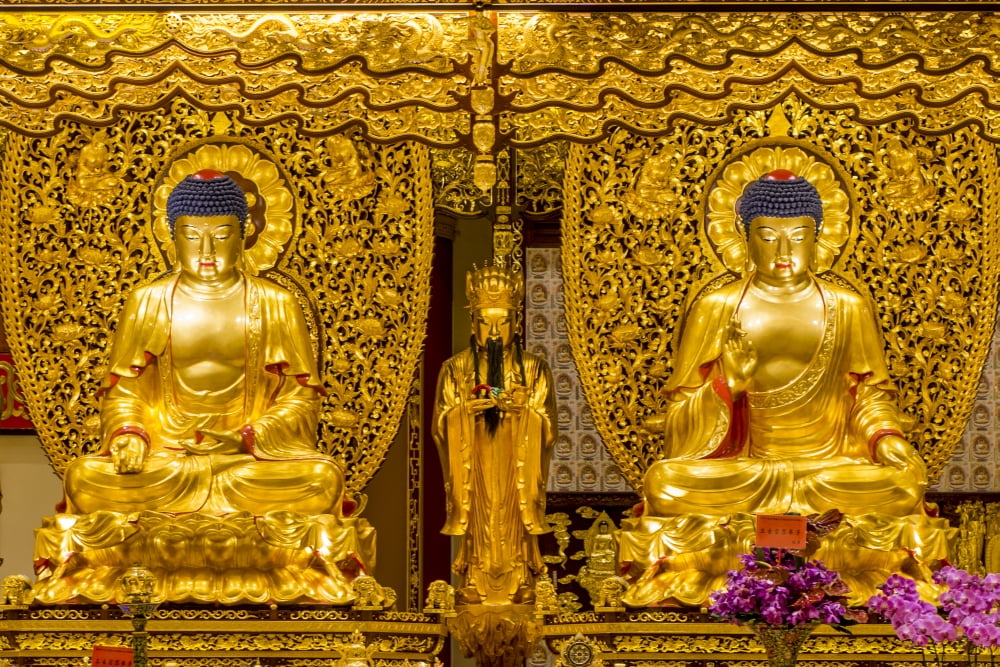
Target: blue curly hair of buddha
(207, 193)
(779, 194)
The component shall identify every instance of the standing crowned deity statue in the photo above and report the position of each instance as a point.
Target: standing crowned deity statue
(494, 425)
(209, 473)
(780, 402)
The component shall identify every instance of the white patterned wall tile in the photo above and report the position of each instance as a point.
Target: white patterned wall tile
(580, 463)
(974, 463)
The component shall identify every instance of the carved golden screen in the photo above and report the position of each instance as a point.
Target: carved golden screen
(911, 224)
(348, 229)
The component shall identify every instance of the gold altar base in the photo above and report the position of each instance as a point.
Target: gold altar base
(280, 557)
(682, 559)
(667, 638)
(203, 636)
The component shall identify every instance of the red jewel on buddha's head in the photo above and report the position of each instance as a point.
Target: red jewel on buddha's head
(207, 175)
(781, 175)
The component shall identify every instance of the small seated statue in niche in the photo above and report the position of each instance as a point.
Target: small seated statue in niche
(210, 412)
(780, 402)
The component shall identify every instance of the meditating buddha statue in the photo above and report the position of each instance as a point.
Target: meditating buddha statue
(780, 402)
(495, 425)
(210, 475)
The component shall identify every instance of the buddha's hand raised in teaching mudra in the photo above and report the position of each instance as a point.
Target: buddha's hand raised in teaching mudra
(128, 453)
(739, 358)
(894, 451)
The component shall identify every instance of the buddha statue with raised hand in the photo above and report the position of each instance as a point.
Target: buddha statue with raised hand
(780, 402)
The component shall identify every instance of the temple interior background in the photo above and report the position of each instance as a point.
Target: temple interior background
(493, 127)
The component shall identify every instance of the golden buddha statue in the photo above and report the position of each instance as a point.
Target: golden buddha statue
(495, 425)
(780, 402)
(209, 412)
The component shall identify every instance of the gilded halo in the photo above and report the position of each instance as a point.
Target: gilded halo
(724, 230)
(268, 196)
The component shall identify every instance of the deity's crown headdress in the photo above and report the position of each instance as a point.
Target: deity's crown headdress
(494, 286)
(780, 194)
(207, 193)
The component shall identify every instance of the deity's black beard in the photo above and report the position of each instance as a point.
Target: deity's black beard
(494, 378)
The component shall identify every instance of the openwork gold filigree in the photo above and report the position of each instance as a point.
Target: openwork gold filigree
(453, 187)
(927, 269)
(540, 177)
(359, 267)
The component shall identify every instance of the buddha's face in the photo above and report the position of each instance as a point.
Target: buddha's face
(208, 247)
(782, 248)
(497, 323)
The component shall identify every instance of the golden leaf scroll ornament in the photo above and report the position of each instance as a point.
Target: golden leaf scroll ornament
(631, 267)
(360, 267)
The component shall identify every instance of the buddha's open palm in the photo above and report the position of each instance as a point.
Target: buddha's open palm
(739, 358)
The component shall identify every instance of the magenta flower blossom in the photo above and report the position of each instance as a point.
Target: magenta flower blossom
(778, 587)
(969, 611)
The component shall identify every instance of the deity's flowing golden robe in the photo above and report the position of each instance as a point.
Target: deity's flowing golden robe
(279, 466)
(495, 484)
(805, 448)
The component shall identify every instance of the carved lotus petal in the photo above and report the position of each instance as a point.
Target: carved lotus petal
(46, 301)
(607, 302)
(953, 302)
(623, 333)
(42, 214)
(65, 332)
(347, 248)
(343, 418)
(390, 297)
(649, 257)
(934, 330)
(603, 215)
(369, 326)
(92, 256)
(912, 253)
